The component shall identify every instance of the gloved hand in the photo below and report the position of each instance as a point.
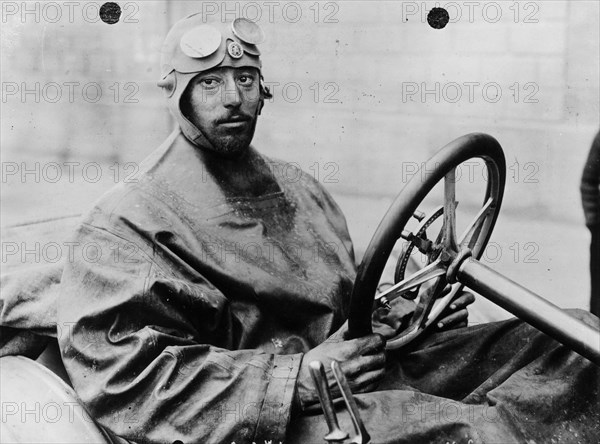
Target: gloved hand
(456, 314)
(389, 322)
(362, 360)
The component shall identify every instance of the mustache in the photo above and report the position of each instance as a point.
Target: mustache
(238, 117)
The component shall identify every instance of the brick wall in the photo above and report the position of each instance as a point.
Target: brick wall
(381, 89)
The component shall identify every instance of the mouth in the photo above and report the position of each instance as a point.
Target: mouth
(234, 122)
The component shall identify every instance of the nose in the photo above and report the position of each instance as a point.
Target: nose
(232, 97)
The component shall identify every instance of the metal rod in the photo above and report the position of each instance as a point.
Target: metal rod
(362, 436)
(317, 371)
(449, 227)
(431, 271)
(530, 307)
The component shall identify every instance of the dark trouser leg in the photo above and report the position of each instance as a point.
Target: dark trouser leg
(456, 364)
(595, 269)
(498, 382)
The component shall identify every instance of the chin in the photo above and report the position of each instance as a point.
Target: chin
(233, 145)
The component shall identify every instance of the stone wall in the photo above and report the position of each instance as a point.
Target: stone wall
(364, 91)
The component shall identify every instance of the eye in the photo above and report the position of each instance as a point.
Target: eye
(246, 79)
(209, 83)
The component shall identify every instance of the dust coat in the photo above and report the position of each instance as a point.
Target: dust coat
(194, 292)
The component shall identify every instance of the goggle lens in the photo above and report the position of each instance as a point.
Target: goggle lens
(248, 31)
(200, 41)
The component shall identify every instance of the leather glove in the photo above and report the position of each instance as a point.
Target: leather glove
(362, 360)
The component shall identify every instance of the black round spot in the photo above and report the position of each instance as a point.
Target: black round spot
(438, 18)
(110, 13)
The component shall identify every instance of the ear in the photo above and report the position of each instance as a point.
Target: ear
(168, 84)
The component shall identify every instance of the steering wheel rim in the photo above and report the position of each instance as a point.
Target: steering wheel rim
(443, 163)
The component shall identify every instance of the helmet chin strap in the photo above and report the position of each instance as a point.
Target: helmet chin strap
(174, 90)
(194, 134)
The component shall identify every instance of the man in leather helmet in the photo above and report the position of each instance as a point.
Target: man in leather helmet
(219, 280)
(191, 48)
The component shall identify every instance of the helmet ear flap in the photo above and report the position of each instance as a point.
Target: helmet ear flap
(168, 84)
(265, 93)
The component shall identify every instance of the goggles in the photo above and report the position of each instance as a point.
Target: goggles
(203, 47)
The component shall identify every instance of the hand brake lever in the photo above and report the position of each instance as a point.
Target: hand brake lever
(362, 436)
(317, 371)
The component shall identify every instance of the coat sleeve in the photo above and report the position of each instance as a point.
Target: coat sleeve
(145, 347)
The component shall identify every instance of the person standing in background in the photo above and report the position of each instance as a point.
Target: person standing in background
(590, 197)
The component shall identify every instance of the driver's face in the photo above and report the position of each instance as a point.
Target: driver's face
(223, 104)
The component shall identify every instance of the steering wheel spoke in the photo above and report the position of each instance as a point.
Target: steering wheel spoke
(431, 271)
(470, 236)
(449, 228)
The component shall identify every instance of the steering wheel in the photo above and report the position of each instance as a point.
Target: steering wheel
(454, 261)
(444, 254)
